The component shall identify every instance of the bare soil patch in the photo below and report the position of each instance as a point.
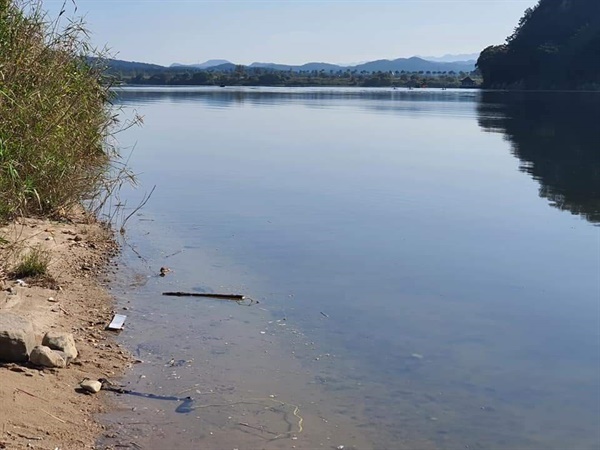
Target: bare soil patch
(43, 408)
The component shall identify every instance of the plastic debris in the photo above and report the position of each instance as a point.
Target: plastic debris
(117, 323)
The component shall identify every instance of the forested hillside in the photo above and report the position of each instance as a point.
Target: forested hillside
(556, 45)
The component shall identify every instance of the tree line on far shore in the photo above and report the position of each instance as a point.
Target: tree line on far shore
(249, 76)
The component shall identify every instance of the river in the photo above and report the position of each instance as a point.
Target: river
(423, 268)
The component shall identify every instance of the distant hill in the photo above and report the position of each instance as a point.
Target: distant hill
(555, 45)
(117, 65)
(262, 65)
(452, 58)
(205, 65)
(304, 67)
(414, 64)
(225, 67)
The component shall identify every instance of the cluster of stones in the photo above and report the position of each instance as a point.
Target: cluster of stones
(17, 344)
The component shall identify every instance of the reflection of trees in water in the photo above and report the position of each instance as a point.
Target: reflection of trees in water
(557, 138)
(231, 97)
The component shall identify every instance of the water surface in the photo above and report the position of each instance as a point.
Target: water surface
(426, 264)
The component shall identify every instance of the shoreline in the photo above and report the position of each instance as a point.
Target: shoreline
(44, 407)
(377, 88)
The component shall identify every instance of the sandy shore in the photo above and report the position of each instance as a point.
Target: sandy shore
(41, 408)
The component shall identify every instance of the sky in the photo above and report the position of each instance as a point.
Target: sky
(292, 31)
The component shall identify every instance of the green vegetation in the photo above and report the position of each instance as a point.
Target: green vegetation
(54, 114)
(33, 264)
(556, 45)
(258, 76)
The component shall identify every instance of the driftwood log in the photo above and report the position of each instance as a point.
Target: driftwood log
(235, 297)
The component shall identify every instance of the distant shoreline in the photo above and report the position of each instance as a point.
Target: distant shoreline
(403, 88)
(294, 86)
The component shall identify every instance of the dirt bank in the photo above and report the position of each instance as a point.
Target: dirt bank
(40, 408)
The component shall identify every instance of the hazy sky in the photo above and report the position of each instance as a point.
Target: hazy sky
(292, 31)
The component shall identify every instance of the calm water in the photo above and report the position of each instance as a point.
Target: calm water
(427, 266)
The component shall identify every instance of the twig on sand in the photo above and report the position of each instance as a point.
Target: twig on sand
(30, 394)
(31, 438)
(53, 416)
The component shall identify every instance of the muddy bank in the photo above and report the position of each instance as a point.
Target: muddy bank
(43, 408)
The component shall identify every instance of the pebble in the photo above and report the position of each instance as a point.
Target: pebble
(52, 300)
(92, 386)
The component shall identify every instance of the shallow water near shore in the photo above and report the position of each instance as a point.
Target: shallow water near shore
(426, 265)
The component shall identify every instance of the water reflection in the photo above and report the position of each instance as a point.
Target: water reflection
(227, 97)
(556, 136)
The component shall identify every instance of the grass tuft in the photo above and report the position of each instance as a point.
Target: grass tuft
(33, 264)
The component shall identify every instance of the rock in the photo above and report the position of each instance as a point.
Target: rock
(63, 355)
(92, 386)
(64, 342)
(17, 338)
(46, 357)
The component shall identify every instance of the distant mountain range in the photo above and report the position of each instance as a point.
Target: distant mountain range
(205, 64)
(414, 64)
(452, 58)
(119, 65)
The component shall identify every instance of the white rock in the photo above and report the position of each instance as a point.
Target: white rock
(92, 386)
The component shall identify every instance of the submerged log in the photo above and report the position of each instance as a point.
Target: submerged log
(197, 294)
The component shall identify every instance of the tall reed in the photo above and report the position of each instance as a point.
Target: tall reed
(55, 115)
